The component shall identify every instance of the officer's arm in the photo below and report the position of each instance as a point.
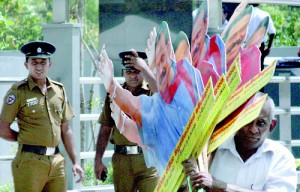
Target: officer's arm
(102, 141)
(149, 77)
(6, 132)
(268, 49)
(67, 138)
(101, 145)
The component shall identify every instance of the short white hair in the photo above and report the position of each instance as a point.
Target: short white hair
(268, 101)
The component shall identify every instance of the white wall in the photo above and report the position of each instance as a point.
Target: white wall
(11, 65)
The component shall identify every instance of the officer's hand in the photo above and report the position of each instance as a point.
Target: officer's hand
(150, 50)
(78, 170)
(106, 70)
(135, 61)
(99, 167)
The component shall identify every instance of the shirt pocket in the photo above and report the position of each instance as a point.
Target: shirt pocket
(58, 113)
(33, 112)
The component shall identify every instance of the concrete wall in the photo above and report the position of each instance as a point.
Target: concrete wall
(11, 65)
(284, 52)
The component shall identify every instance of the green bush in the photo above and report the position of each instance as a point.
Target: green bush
(28, 15)
(287, 23)
(90, 179)
(8, 187)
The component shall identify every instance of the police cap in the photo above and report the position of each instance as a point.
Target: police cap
(122, 56)
(38, 49)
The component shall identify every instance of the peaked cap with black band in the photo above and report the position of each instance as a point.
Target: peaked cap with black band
(38, 49)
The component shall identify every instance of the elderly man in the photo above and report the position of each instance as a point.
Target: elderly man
(249, 161)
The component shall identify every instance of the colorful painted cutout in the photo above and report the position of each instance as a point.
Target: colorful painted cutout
(235, 35)
(243, 93)
(259, 33)
(182, 47)
(250, 63)
(248, 73)
(238, 10)
(200, 39)
(165, 63)
(216, 54)
(180, 88)
(170, 179)
(207, 71)
(180, 84)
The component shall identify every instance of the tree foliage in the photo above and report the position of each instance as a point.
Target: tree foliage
(90, 19)
(287, 23)
(21, 21)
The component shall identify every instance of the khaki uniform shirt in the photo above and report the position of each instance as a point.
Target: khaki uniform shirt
(106, 119)
(39, 115)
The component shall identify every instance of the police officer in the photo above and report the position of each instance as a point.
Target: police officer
(42, 111)
(129, 169)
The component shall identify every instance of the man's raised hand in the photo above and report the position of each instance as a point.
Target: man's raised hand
(106, 70)
(150, 50)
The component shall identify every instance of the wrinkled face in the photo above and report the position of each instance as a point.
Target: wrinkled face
(162, 60)
(38, 67)
(252, 136)
(133, 78)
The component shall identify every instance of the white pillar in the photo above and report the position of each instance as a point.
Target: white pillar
(60, 9)
(66, 69)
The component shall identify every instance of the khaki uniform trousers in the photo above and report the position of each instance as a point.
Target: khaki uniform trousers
(36, 173)
(131, 174)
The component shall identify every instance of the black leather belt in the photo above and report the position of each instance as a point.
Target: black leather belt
(128, 150)
(40, 150)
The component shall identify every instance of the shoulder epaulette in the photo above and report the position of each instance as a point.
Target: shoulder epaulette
(18, 84)
(57, 83)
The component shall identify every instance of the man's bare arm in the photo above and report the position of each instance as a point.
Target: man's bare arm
(126, 101)
(126, 126)
(102, 141)
(67, 138)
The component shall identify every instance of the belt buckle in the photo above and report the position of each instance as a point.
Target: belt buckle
(132, 150)
(50, 151)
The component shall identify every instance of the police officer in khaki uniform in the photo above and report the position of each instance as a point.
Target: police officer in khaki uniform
(129, 169)
(42, 111)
